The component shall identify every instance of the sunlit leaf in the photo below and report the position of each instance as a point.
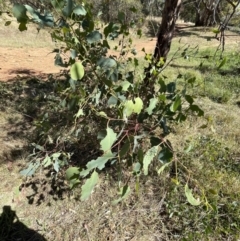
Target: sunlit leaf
(77, 71)
(128, 108)
(125, 85)
(190, 198)
(138, 105)
(176, 104)
(80, 113)
(56, 166)
(150, 154)
(216, 31)
(103, 114)
(108, 141)
(98, 163)
(80, 10)
(72, 176)
(133, 107)
(89, 185)
(47, 161)
(152, 105)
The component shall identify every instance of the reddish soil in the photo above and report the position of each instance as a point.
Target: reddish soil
(21, 62)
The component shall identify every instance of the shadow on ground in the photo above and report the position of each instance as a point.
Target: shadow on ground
(11, 229)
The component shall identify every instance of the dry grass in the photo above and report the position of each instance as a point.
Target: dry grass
(12, 37)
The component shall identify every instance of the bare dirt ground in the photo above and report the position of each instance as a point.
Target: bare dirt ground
(30, 53)
(27, 62)
(21, 62)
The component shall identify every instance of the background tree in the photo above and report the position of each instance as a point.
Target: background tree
(207, 12)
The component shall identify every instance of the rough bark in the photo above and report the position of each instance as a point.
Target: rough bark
(166, 31)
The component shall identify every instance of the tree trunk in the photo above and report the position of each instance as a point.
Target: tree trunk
(166, 31)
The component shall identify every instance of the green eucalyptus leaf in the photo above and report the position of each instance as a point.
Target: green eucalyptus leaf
(56, 165)
(155, 141)
(88, 25)
(94, 37)
(176, 104)
(58, 4)
(20, 13)
(77, 71)
(72, 172)
(89, 185)
(108, 141)
(31, 169)
(133, 107)
(107, 63)
(67, 11)
(193, 201)
(79, 10)
(125, 85)
(152, 105)
(124, 149)
(112, 101)
(165, 155)
(22, 26)
(72, 176)
(98, 163)
(150, 154)
(47, 161)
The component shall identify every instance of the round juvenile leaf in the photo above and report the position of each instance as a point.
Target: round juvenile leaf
(80, 10)
(88, 24)
(165, 155)
(72, 173)
(20, 13)
(138, 105)
(94, 37)
(107, 63)
(77, 71)
(125, 85)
